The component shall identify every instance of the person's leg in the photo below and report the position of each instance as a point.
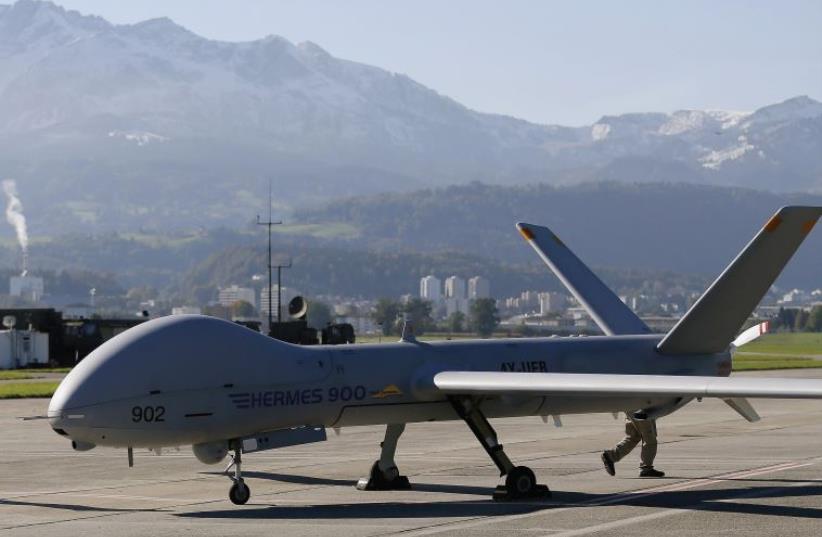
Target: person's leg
(632, 438)
(647, 431)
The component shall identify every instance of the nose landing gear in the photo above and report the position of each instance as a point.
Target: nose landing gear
(239, 492)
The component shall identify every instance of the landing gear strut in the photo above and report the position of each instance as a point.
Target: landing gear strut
(239, 493)
(384, 474)
(520, 481)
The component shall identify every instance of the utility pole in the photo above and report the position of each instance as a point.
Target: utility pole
(279, 292)
(270, 223)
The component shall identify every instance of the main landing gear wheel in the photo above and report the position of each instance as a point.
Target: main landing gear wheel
(520, 484)
(388, 480)
(520, 481)
(239, 493)
(384, 474)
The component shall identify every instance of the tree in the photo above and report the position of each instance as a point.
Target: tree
(418, 311)
(319, 314)
(484, 317)
(523, 330)
(786, 318)
(801, 320)
(385, 314)
(241, 308)
(814, 323)
(217, 310)
(455, 322)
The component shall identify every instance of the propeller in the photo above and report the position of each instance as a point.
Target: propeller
(750, 334)
(741, 405)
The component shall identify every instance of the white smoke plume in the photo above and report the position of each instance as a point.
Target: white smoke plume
(15, 217)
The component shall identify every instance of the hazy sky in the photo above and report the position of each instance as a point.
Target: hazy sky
(549, 62)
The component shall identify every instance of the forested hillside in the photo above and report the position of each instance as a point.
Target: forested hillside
(679, 227)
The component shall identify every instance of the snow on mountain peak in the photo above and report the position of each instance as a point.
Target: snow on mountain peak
(688, 120)
(139, 137)
(599, 131)
(713, 160)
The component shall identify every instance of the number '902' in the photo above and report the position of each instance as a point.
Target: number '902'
(148, 414)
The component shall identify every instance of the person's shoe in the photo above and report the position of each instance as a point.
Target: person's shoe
(650, 472)
(608, 462)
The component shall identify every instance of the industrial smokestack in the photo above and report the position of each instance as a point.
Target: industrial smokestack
(15, 217)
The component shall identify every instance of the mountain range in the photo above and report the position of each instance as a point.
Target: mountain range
(150, 126)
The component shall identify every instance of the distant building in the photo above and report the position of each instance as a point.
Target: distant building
(479, 287)
(430, 288)
(551, 302)
(22, 348)
(28, 287)
(529, 300)
(287, 295)
(793, 297)
(230, 295)
(78, 311)
(186, 310)
(453, 305)
(361, 324)
(455, 287)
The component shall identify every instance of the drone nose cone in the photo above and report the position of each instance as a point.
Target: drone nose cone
(66, 405)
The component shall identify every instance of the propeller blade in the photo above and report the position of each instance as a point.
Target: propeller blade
(751, 334)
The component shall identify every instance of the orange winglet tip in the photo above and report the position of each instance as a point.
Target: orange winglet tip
(527, 233)
(773, 223)
(807, 226)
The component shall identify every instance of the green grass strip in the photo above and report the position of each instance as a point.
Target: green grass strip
(23, 390)
(778, 363)
(787, 343)
(16, 375)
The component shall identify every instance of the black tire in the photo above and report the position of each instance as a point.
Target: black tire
(239, 493)
(520, 482)
(377, 475)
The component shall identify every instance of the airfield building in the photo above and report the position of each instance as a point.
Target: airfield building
(28, 287)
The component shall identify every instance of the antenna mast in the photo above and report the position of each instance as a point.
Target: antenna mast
(270, 223)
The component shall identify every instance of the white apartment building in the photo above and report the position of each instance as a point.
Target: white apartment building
(430, 288)
(479, 287)
(186, 310)
(287, 294)
(455, 287)
(230, 295)
(550, 302)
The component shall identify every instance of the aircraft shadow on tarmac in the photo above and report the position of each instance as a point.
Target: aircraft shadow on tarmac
(73, 507)
(422, 487)
(726, 500)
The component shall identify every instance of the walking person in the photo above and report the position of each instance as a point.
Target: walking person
(638, 428)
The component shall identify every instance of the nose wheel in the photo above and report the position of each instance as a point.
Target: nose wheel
(239, 493)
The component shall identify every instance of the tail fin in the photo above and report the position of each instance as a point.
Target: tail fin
(604, 307)
(714, 320)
